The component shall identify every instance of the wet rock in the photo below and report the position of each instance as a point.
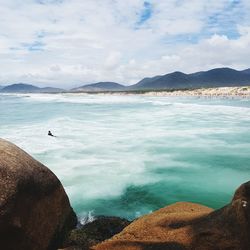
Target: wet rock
(95, 232)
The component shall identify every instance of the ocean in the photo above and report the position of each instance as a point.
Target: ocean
(129, 155)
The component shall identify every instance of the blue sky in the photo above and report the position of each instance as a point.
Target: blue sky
(145, 13)
(71, 42)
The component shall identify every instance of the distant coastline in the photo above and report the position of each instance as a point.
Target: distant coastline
(214, 78)
(230, 92)
(206, 92)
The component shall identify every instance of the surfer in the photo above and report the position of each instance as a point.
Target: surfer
(49, 133)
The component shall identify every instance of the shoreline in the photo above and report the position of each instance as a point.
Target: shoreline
(224, 92)
(220, 92)
(207, 92)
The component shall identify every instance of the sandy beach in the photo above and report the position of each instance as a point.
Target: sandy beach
(231, 92)
(207, 92)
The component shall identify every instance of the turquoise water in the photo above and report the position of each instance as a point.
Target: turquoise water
(129, 155)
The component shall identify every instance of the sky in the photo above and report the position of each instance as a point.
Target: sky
(67, 43)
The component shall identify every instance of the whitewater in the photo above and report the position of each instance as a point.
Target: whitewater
(127, 155)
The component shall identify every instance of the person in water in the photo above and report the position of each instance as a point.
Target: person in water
(49, 133)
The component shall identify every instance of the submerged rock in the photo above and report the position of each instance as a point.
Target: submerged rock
(34, 209)
(189, 226)
(95, 232)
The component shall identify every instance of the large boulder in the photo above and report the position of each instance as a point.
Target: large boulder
(189, 226)
(35, 212)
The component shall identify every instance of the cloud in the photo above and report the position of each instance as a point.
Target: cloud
(63, 42)
(112, 60)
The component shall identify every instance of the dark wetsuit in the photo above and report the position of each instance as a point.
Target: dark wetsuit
(50, 134)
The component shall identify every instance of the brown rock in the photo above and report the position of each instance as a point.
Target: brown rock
(34, 209)
(163, 228)
(189, 226)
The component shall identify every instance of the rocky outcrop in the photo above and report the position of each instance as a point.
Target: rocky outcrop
(34, 209)
(100, 229)
(189, 226)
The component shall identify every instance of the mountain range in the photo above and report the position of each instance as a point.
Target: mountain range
(27, 88)
(101, 86)
(219, 77)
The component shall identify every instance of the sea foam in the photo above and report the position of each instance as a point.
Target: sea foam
(128, 155)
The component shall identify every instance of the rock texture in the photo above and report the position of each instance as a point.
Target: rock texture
(95, 232)
(189, 226)
(34, 209)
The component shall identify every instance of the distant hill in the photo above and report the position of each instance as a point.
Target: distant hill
(247, 71)
(20, 87)
(100, 86)
(220, 77)
(28, 88)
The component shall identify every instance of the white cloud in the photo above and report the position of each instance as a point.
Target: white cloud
(113, 59)
(63, 43)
